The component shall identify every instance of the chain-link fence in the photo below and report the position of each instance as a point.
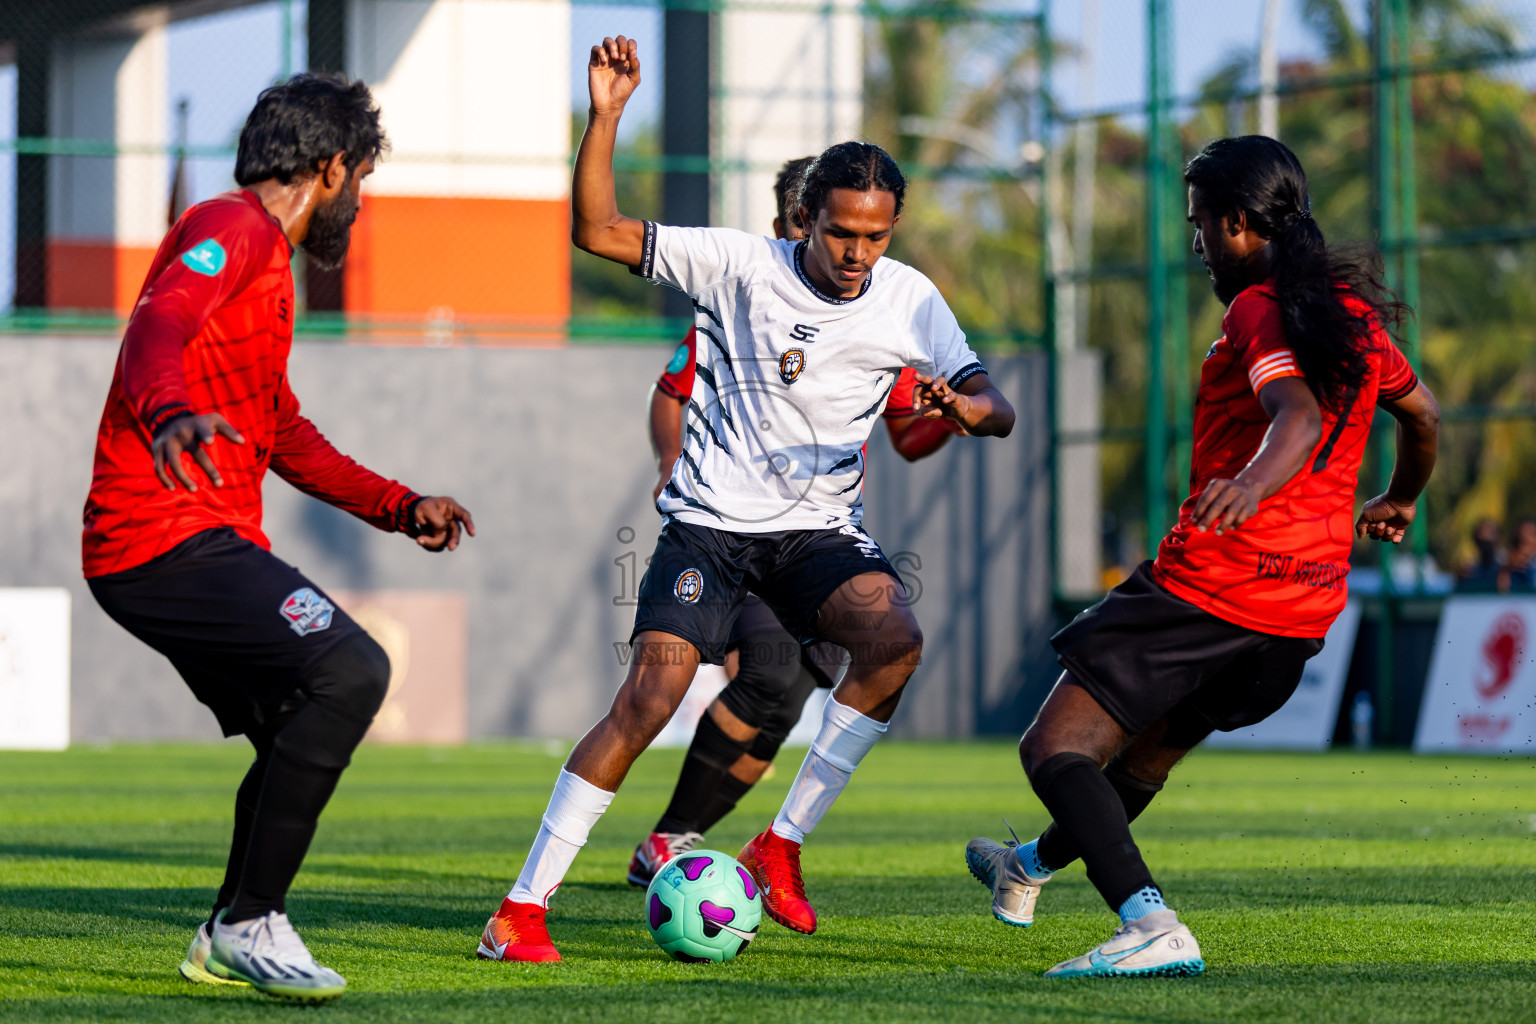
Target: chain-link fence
(1045, 139)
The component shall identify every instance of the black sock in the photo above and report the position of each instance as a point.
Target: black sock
(308, 755)
(1056, 849)
(705, 770)
(246, 798)
(721, 802)
(1085, 805)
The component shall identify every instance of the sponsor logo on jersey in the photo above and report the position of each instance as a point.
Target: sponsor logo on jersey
(679, 358)
(306, 611)
(804, 332)
(790, 365)
(689, 586)
(206, 257)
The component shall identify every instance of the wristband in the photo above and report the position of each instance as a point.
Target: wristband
(406, 517)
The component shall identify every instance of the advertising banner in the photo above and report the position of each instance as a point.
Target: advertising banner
(1306, 721)
(1480, 696)
(34, 668)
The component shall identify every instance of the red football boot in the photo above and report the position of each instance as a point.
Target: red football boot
(517, 932)
(655, 851)
(774, 864)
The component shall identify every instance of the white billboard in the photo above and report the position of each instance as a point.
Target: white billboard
(34, 668)
(1306, 721)
(1480, 696)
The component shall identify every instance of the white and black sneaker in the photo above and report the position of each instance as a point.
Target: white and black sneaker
(268, 954)
(195, 967)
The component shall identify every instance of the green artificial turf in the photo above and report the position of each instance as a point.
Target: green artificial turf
(1343, 887)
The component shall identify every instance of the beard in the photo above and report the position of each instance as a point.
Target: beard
(1226, 277)
(330, 229)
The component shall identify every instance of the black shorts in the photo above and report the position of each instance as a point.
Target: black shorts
(698, 579)
(240, 625)
(1144, 653)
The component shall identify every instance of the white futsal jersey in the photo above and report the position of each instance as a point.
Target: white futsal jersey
(789, 382)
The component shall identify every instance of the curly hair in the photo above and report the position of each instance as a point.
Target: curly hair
(297, 125)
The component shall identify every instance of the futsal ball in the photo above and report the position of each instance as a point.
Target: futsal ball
(703, 906)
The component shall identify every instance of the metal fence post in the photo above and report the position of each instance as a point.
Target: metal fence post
(1156, 454)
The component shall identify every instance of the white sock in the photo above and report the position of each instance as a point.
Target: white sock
(845, 737)
(574, 808)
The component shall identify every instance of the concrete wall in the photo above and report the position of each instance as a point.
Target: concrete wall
(547, 448)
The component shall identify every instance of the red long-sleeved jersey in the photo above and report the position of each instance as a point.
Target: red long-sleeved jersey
(211, 332)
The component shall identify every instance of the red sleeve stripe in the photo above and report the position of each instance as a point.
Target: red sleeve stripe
(1272, 367)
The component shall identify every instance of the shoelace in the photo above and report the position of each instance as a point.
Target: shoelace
(273, 935)
(529, 928)
(679, 843)
(784, 874)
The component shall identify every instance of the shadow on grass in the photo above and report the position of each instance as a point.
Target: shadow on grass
(1407, 992)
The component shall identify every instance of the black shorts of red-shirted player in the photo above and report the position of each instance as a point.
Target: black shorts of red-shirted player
(1204, 638)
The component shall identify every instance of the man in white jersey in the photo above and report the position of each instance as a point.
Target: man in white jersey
(800, 344)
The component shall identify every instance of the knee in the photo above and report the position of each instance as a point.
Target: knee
(355, 675)
(901, 641)
(1029, 751)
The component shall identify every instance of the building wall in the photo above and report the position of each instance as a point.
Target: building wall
(469, 216)
(548, 448)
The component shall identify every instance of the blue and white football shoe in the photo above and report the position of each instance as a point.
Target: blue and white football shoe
(996, 866)
(269, 955)
(1156, 945)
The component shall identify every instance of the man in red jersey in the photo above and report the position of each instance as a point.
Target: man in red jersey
(1215, 632)
(771, 674)
(200, 407)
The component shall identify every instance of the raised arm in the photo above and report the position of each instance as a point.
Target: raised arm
(597, 226)
(1387, 517)
(1295, 427)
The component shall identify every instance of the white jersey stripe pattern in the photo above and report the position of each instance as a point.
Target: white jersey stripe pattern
(1275, 365)
(789, 383)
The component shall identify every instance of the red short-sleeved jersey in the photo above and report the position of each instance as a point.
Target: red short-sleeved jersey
(1283, 571)
(677, 381)
(211, 332)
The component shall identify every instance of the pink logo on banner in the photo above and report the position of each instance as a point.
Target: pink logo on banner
(1503, 647)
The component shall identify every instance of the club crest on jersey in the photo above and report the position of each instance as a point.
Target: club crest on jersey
(689, 586)
(790, 365)
(206, 257)
(306, 611)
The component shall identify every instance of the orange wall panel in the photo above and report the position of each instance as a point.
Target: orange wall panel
(96, 275)
(478, 257)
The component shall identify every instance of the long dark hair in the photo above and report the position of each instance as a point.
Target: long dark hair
(858, 166)
(1262, 177)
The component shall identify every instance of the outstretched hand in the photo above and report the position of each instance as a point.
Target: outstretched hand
(438, 523)
(190, 435)
(1385, 520)
(613, 73)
